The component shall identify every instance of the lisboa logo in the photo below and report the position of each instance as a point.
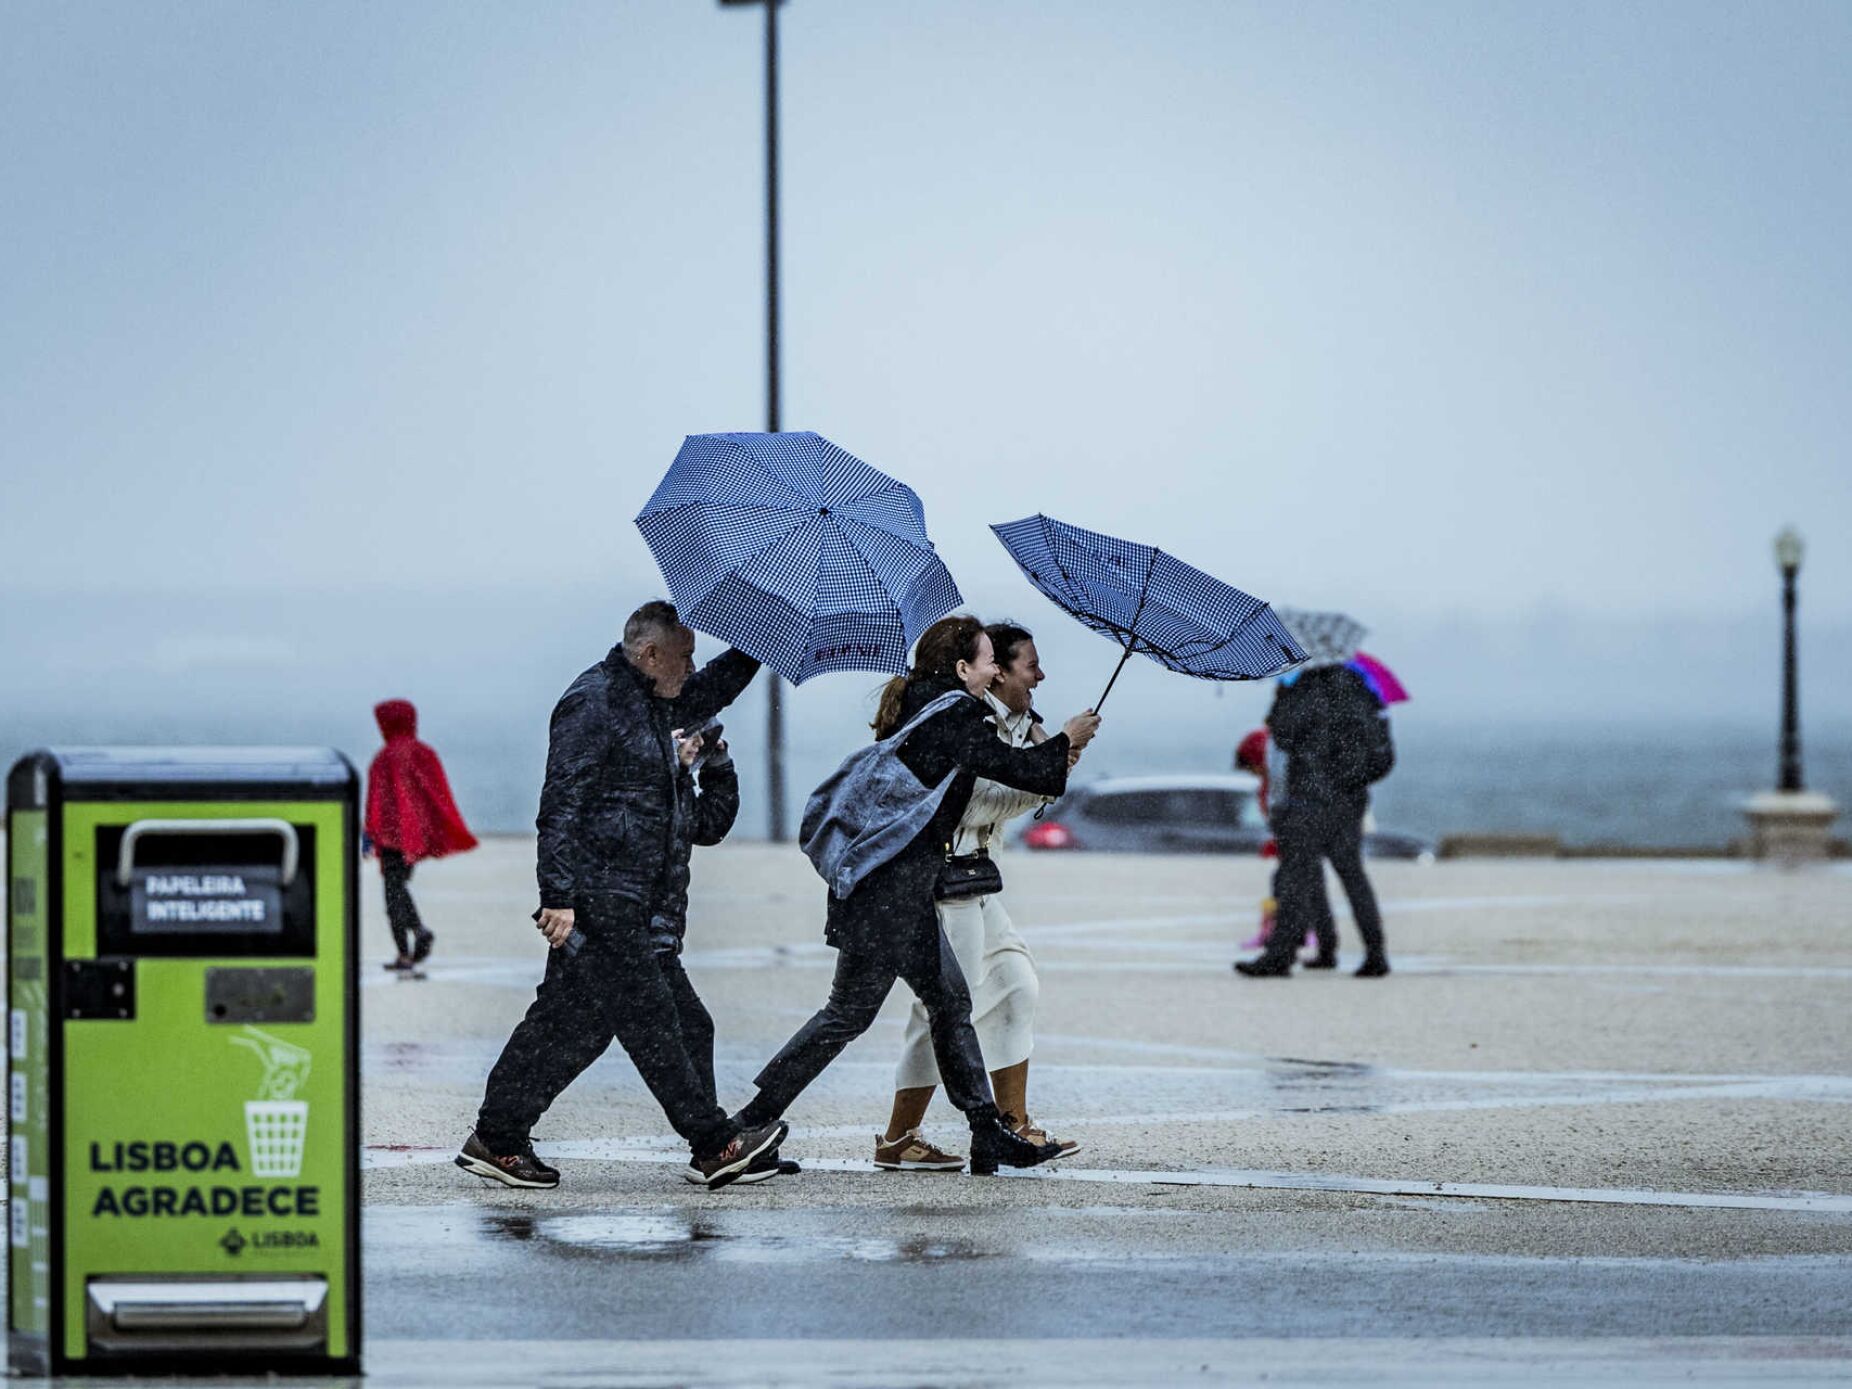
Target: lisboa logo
(276, 1123)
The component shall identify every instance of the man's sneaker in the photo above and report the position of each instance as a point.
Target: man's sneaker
(911, 1153)
(763, 1166)
(403, 962)
(421, 946)
(515, 1169)
(730, 1163)
(1036, 1134)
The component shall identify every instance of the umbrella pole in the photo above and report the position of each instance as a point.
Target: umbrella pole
(1115, 678)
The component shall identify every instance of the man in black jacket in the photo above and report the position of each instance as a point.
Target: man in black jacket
(1336, 740)
(609, 823)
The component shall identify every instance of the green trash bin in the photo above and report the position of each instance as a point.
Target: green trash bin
(183, 1067)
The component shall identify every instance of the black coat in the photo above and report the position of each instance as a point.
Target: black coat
(709, 803)
(607, 810)
(890, 914)
(1316, 721)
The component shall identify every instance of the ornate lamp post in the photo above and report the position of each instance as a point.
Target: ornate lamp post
(1790, 823)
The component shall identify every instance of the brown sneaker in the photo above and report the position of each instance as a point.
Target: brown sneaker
(911, 1153)
(1038, 1135)
(730, 1163)
(512, 1169)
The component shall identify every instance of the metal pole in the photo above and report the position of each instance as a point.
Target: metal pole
(1790, 778)
(774, 697)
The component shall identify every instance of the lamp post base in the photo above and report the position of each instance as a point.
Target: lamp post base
(1791, 826)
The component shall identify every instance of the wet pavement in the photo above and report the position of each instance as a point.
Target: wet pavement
(1595, 1129)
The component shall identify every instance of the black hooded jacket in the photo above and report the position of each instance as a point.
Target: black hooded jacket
(607, 810)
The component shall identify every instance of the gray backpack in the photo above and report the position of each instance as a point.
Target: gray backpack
(871, 807)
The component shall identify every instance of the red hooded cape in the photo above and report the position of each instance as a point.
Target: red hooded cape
(409, 805)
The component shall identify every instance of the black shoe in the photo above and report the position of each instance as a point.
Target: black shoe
(421, 947)
(993, 1145)
(1322, 962)
(725, 1167)
(1373, 968)
(399, 965)
(520, 1168)
(1263, 968)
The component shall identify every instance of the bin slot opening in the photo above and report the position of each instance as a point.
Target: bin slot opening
(182, 1313)
(282, 830)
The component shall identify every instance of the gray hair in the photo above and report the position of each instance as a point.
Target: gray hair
(649, 622)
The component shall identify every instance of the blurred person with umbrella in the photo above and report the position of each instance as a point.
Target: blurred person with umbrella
(1329, 722)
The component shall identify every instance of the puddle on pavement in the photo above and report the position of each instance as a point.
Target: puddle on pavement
(673, 1234)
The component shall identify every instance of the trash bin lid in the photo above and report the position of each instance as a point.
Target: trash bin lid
(198, 766)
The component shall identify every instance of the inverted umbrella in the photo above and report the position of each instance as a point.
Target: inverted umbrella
(1381, 680)
(1150, 602)
(1328, 638)
(797, 552)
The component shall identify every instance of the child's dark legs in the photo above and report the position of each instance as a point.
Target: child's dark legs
(408, 932)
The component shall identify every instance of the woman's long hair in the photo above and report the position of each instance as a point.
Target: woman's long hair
(936, 656)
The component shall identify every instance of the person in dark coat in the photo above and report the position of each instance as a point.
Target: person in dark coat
(888, 928)
(608, 860)
(410, 817)
(1335, 736)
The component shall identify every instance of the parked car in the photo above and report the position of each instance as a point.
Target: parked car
(1212, 813)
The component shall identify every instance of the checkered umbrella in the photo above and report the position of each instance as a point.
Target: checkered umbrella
(1150, 602)
(796, 552)
(1328, 638)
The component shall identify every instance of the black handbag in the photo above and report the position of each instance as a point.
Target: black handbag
(965, 876)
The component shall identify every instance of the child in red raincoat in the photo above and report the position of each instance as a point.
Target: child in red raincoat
(411, 815)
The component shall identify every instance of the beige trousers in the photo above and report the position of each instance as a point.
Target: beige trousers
(1001, 974)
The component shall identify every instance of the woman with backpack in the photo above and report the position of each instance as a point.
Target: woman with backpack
(995, 959)
(886, 926)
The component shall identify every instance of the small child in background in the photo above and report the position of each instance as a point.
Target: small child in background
(410, 816)
(1251, 756)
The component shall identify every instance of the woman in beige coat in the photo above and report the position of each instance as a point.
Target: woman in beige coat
(995, 960)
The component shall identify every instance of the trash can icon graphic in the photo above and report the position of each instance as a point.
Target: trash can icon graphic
(277, 1130)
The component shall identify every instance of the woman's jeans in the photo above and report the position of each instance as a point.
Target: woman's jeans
(861, 986)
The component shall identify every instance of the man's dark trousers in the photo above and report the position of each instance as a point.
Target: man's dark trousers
(613, 987)
(1310, 832)
(861, 985)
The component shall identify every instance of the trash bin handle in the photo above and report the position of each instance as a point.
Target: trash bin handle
(282, 829)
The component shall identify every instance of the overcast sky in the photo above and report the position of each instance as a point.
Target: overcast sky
(1411, 308)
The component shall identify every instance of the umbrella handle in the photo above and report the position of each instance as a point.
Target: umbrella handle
(1115, 678)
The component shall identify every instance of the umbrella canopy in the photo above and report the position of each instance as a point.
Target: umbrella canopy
(797, 552)
(1328, 638)
(1151, 602)
(1381, 680)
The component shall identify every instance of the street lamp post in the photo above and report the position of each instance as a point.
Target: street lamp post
(774, 695)
(1790, 823)
(1788, 552)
